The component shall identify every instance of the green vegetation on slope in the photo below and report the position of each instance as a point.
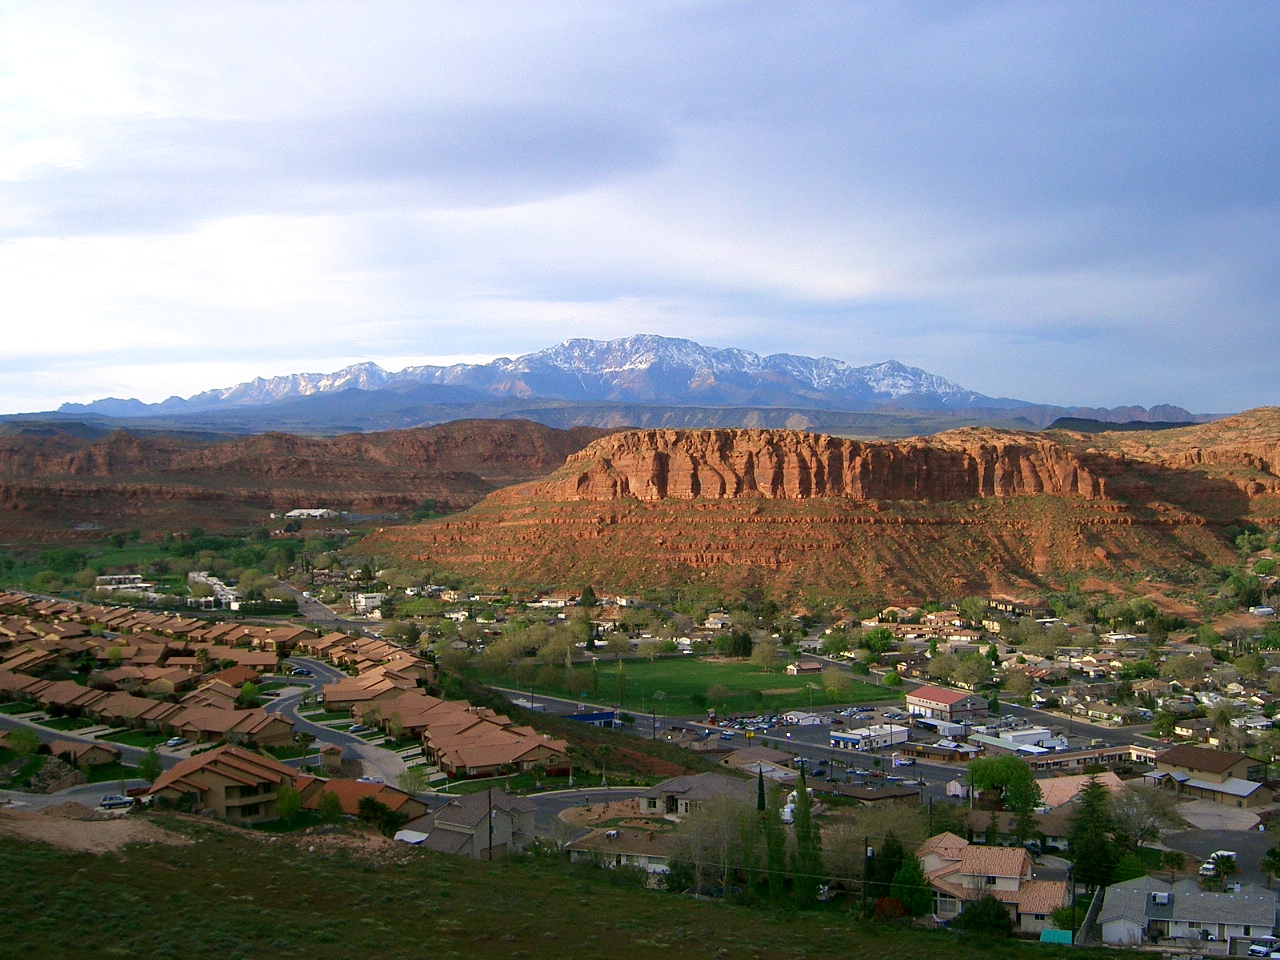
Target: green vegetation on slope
(231, 897)
(690, 685)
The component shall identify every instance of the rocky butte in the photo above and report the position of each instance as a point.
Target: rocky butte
(653, 465)
(973, 509)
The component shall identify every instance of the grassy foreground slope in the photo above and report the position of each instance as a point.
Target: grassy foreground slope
(226, 896)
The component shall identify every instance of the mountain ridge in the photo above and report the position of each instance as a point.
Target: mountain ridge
(643, 369)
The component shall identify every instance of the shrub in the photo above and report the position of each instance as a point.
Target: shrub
(987, 916)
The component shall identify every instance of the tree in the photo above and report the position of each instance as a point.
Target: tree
(943, 667)
(25, 742)
(891, 679)
(1183, 667)
(1270, 864)
(986, 916)
(765, 655)
(1174, 861)
(539, 771)
(288, 802)
(836, 681)
(973, 670)
(414, 780)
(1251, 665)
(775, 846)
(649, 648)
(150, 767)
(1017, 685)
(1140, 812)
(588, 597)
(836, 643)
(329, 806)
(1129, 867)
(1015, 781)
(807, 873)
(1224, 865)
(910, 887)
(718, 693)
(1095, 856)
(602, 754)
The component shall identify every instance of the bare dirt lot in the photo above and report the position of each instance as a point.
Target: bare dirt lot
(78, 828)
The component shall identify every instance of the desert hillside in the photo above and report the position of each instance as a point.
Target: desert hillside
(53, 480)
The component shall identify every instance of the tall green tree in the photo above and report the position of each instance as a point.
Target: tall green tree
(1095, 855)
(911, 888)
(807, 869)
(775, 847)
(150, 767)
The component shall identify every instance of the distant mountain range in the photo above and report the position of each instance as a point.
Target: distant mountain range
(644, 379)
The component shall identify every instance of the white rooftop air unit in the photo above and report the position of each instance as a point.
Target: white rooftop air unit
(1161, 898)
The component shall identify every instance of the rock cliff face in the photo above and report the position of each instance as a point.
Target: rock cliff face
(651, 465)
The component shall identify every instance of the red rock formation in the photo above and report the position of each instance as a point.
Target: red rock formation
(652, 465)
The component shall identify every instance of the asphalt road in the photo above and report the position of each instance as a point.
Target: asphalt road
(1250, 847)
(316, 612)
(377, 761)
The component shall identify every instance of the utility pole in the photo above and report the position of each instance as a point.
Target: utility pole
(868, 853)
(490, 819)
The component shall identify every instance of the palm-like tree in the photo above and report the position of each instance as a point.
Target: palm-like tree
(602, 752)
(1271, 864)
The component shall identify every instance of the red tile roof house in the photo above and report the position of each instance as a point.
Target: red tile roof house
(960, 872)
(231, 782)
(254, 727)
(939, 703)
(351, 792)
(84, 752)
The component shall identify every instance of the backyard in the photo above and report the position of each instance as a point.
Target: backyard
(686, 685)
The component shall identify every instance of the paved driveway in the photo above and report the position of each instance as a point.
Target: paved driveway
(1250, 847)
(1207, 815)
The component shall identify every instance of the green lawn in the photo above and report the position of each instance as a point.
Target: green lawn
(137, 738)
(322, 716)
(304, 819)
(291, 752)
(24, 773)
(66, 723)
(13, 709)
(685, 684)
(229, 896)
(106, 772)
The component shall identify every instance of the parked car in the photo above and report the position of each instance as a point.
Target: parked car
(369, 780)
(357, 728)
(176, 742)
(114, 801)
(301, 672)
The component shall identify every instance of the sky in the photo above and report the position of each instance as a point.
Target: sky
(1071, 203)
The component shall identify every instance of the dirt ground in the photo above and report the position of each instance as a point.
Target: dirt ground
(75, 827)
(603, 812)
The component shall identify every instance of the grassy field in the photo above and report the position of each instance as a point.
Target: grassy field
(110, 772)
(16, 708)
(66, 723)
(136, 738)
(688, 686)
(236, 897)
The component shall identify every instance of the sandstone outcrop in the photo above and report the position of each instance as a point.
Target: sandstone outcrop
(652, 465)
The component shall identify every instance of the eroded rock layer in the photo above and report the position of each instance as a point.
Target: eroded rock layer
(651, 465)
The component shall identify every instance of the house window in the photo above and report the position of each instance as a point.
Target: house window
(1246, 931)
(991, 881)
(1193, 926)
(250, 811)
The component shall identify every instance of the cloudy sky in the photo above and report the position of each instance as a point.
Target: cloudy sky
(1068, 202)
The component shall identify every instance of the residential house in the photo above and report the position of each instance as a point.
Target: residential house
(677, 797)
(1228, 778)
(960, 872)
(84, 752)
(484, 826)
(1150, 910)
(649, 850)
(230, 782)
(1056, 791)
(351, 792)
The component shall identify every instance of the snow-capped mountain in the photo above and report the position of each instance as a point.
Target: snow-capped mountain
(639, 369)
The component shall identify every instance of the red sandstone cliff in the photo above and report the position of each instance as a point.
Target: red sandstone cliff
(652, 465)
